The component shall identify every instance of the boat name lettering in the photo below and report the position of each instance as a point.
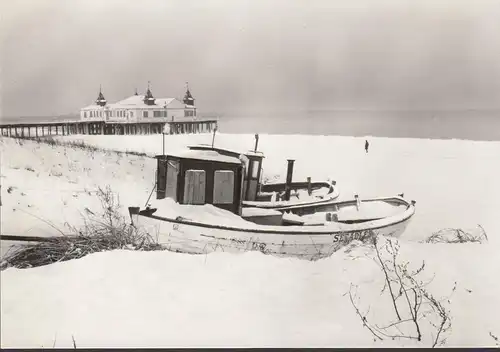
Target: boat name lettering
(258, 246)
(351, 236)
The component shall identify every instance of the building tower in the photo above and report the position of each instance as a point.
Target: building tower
(148, 98)
(188, 98)
(101, 101)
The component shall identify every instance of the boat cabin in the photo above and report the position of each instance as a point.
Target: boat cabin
(201, 176)
(252, 161)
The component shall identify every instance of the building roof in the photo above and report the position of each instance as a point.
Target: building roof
(94, 107)
(206, 155)
(234, 152)
(135, 102)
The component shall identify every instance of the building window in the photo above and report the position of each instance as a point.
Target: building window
(223, 187)
(131, 113)
(165, 113)
(157, 113)
(84, 114)
(144, 114)
(194, 187)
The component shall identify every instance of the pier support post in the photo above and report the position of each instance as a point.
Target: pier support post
(289, 175)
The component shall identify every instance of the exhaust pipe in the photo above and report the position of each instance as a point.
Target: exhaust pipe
(256, 142)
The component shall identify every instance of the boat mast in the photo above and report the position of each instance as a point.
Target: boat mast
(213, 138)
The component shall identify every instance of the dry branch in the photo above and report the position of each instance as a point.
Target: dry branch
(412, 295)
(455, 235)
(105, 231)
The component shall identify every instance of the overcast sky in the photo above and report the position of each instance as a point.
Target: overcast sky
(251, 55)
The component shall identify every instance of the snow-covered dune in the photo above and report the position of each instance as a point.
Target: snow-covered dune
(158, 299)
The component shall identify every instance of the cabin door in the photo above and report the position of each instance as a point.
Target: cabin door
(172, 172)
(194, 187)
(223, 187)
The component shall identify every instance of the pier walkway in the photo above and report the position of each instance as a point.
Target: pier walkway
(39, 129)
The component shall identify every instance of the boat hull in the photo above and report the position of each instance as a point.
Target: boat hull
(305, 242)
(266, 203)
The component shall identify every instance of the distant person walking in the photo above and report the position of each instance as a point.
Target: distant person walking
(367, 145)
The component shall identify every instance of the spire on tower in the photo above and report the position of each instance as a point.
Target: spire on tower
(101, 101)
(188, 98)
(148, 98)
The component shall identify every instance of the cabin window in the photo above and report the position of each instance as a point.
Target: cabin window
(223, 187)
(247, 167)
(255, 168)
(194, 187)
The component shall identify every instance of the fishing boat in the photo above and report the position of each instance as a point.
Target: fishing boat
(199, 208)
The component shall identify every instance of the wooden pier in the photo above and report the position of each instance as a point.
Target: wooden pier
(28, 130)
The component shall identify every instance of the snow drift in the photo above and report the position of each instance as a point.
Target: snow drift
(157, 299)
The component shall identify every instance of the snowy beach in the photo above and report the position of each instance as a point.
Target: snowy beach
(168, 299)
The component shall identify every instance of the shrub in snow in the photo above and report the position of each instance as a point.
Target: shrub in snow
(458, 236)
(107, 230)
(418, 315)
(495, 338)
(78, 144)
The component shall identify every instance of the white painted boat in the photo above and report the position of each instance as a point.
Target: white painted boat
(313, 235)
(199, 209)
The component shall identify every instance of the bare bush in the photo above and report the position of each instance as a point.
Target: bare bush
(495, 338)
(451, 235)
(418, 315)
(102, 231)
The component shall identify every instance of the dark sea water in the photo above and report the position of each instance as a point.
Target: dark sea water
(481, 125)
